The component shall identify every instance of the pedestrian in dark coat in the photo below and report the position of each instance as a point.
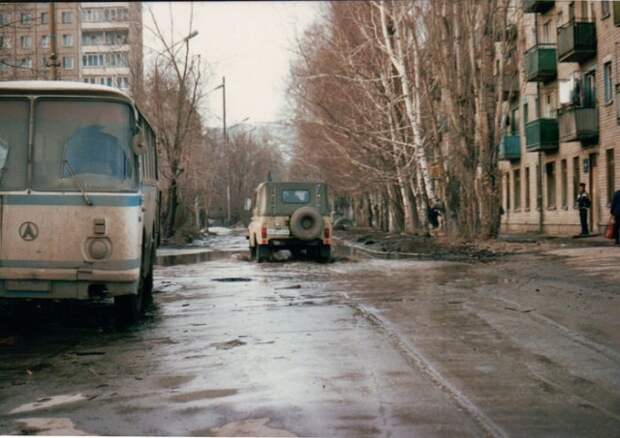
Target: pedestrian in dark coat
(584, 204)
(615, 213)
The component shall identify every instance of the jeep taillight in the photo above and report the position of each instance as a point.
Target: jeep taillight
(263, 233)
(326, 233)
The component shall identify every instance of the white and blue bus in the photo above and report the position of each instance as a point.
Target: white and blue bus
(79, 197)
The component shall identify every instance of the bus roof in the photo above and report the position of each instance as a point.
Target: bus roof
(60, 87)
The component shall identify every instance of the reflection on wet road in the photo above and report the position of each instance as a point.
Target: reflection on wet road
(359, 347)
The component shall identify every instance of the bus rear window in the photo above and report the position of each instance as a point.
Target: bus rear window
(89, 140)
(295, 196)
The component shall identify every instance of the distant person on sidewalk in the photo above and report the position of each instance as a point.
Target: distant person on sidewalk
(615, 212)
(584, 204)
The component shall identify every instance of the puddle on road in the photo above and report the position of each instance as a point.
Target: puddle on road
(48, 402)
(251, 427)
(232, 279)
(199, 257)
(341, 254)
(48, 426)
(203, 394)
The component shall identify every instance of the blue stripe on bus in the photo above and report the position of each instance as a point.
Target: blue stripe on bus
(73, 200)
(111, 265)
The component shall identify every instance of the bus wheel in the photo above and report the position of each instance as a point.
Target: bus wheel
(129, 307)
(148, 281)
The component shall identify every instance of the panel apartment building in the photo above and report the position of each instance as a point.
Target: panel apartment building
(98, 42)
(564, 123)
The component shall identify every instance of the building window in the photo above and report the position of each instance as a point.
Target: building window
(25, 41)
(527, 188)
(26, 63)
(538, 192)
(3, 20)
(3, 65)
(44, 62)
(4, 42)
(26, 19)
(607, 80)
(576, 180)
(547, 32)
(67, 17)
(514, 122)
(67, 62)
(109, 82)
(44, 18)
(605, 11)
(517, 189)
(564, 183)
(67, 40)
(93, 60)
(45, 41)
(611, 173)
(550, 172)
(507, 191)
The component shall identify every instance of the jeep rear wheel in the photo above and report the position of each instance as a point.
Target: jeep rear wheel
(325, 253)
(263, 252)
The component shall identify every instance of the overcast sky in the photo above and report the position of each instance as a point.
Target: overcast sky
(250, 43)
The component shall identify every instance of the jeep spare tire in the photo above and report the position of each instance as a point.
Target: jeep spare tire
(306, 223)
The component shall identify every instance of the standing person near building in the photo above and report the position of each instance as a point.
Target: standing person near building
(615, 213)
(584, 204)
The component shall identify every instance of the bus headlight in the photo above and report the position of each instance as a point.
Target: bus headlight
(99, 249)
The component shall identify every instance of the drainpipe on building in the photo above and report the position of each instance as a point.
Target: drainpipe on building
(539, 179)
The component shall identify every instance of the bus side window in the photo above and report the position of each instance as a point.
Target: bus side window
(152, 155)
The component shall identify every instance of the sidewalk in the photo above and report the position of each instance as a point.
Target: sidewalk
(591, 240)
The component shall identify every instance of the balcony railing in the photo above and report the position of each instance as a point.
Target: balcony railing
(535, 6)
(509, 148)
(578, 124)
(542, 135)
(540, 63)
(576, 41)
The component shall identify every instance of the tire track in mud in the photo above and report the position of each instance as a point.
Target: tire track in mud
(416, 359)
(576, 337)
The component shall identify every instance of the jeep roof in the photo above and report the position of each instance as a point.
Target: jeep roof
(276, 199)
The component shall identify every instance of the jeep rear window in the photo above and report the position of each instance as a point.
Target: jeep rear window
(295, 196)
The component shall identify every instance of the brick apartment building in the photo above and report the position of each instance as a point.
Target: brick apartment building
(564, 122)
(94, 42)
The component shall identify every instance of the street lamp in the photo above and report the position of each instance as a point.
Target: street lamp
(183, 40)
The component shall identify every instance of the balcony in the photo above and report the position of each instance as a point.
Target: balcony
(537, 6)
(578, 124)
(540, 63)
(509, 148)
(542, 135)
(576, 41)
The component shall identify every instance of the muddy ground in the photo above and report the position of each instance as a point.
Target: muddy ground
(526, 344)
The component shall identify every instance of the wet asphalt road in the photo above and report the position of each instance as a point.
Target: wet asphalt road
(359, 347)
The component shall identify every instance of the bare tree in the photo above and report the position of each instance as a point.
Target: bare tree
(174, 90)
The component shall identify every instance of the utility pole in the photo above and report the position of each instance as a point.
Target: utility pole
(53, 43)
(227, 151)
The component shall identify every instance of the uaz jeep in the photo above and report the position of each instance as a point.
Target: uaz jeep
(293, 216)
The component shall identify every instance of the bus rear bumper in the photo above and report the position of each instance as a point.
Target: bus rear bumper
(59, 284)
